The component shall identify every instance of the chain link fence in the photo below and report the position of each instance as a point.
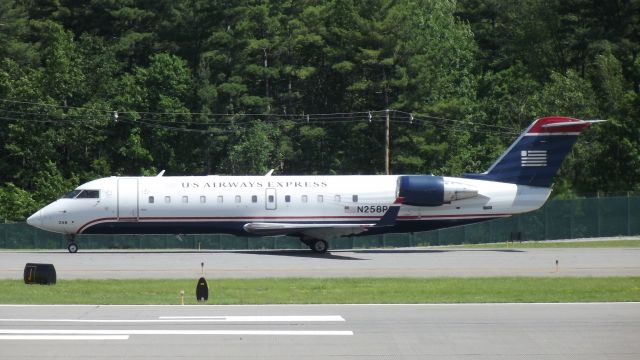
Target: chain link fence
(558, 219)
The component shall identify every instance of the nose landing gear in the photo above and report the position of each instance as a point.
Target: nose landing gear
(72, 247)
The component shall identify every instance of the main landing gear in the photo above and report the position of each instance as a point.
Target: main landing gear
(72, 247)
(316, 245)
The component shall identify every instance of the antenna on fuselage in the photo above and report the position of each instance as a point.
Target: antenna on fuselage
(269, 173)
(160, 173)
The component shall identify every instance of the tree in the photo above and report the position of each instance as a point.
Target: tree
(15, 204)
(257, 151)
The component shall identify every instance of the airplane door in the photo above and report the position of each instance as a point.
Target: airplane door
(270, 199)
(127, 199)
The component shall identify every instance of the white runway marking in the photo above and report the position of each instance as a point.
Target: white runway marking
(286, 318)
(191, 319)
(177, 332)
(64, 337)
(83, 334)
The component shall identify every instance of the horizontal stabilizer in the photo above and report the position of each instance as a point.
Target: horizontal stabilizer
(571, 123)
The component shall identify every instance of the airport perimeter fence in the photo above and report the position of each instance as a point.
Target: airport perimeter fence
(558, 219)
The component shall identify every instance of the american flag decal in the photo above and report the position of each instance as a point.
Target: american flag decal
(533, 158)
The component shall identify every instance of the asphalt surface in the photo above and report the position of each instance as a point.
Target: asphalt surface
(413, 262)
(471, 331)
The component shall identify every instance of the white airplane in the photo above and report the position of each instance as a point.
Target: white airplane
(317, 208)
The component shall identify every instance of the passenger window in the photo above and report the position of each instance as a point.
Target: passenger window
(354, 198)
(337, 198)
(320, 198)
(151, 199)
(167, 199)
(203, 199)
(287, 198)
(238, 199)
(271, 198)
(185, 199)
(254, 198)
(305, 198)
(220, 199)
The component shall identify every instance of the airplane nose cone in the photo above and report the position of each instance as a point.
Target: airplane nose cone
(35, 219)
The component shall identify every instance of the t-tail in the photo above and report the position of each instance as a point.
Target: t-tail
(535, 157)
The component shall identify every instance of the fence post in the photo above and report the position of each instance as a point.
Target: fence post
(598, 214)
(464, 234)
(519, 228)
(491, 224)
(628, 213)
(546, 222)
(571, 221)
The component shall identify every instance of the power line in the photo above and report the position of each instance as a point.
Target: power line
(155, 119)
(293, 117)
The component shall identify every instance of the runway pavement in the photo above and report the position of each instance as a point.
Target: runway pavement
(456, 331)
(413, 262)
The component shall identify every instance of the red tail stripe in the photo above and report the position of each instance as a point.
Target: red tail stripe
(537, 127)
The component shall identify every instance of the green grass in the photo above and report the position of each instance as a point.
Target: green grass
(318, 291)
(633, 243)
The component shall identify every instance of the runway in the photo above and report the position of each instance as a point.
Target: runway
(413, 262)
(460, 331)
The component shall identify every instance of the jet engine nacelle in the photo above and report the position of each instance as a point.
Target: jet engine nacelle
(424, 190)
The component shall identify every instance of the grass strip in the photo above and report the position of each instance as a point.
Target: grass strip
(321, 291)
(634, 243)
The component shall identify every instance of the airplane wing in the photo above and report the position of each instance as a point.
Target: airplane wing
(323, 230)
(317, 231)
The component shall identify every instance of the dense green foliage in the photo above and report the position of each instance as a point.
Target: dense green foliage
(329, 291)
(185, 77)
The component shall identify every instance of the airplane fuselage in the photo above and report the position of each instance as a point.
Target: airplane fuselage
(224, 204)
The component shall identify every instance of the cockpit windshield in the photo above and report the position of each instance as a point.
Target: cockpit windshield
(82, 194)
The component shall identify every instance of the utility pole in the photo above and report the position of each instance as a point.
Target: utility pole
(387, 169)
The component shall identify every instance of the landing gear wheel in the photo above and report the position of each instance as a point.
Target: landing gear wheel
(319, 246)
(73, 248)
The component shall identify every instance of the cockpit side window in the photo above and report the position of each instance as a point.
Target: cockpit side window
(89, 194)
(71, 194)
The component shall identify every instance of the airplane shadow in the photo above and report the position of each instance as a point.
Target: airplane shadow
(339, 254)
(293, 253)
(329, 255)
(429, 251)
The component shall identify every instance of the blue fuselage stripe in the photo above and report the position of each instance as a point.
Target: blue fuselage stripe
(236, 227)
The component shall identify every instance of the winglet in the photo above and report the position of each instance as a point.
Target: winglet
(389, 218)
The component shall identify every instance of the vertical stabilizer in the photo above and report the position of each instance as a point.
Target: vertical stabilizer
(535, 157)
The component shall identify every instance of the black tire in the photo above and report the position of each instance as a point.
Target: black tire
(319, 246)
(73, 248)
